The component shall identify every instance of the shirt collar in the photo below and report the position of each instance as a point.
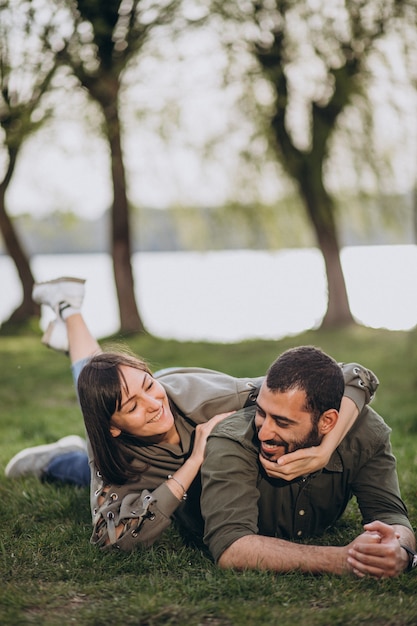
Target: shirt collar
(335, 463)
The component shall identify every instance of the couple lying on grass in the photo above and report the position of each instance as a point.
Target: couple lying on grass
(252, 466)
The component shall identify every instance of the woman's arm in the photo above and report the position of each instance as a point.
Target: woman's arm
(360, 387)
(127, 518)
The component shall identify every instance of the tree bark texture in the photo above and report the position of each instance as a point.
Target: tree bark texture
(306, 167)
(130, 320)
(27, 307)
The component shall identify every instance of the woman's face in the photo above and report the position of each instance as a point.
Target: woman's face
(144, 411)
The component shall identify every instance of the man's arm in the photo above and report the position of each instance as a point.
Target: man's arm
(377, 553)
(127, 518)
(279, 555)
(230, 501)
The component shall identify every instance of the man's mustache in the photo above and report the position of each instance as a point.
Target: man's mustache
(277, 444)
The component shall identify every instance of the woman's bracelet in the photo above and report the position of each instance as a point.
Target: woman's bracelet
(184, 493)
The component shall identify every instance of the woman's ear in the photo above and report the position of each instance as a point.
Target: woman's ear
(328, 421)
(114, 431)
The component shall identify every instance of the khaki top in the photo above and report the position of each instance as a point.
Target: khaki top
(147, 506)
(239, 499)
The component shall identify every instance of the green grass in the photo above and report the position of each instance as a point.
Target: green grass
(51, 575)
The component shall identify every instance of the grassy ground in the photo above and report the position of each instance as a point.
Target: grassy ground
(51, 575)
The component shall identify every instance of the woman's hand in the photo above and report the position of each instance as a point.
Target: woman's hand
(185, 475)
(202, 432)
(299, 463)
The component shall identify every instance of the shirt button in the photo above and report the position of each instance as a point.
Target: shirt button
(299, 533)
(302, 512)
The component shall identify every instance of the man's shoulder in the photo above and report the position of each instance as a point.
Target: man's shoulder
(368, 432)
(237, 427)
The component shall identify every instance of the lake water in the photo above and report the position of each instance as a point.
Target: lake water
(233, 295)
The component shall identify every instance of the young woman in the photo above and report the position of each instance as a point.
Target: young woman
(146, 434)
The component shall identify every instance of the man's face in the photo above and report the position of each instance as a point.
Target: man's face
(283, 424)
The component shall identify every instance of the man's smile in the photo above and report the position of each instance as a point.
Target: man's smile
(269, 450)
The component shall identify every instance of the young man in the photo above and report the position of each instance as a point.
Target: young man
(253, 519)
(131, 511)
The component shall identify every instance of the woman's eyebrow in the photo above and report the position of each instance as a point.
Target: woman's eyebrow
(126, 389)
(123, 404)
(128, 398)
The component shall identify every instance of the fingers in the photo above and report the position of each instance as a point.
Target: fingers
(371, 565)
(215, 420)
(202, 431)
(221, 416)
(294, 464)
(273, 470)
(364, 563)
(294, 457)
(385, 531)
(375, 553)
(361, 569)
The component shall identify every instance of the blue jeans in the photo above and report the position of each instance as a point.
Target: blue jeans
(70, 467)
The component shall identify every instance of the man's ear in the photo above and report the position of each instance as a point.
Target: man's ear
(114, 431)
(328, 421)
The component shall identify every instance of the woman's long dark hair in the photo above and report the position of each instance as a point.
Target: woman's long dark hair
(100, 395)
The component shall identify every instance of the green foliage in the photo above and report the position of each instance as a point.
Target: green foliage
(50, 573)
(238, 226)
(28, 65)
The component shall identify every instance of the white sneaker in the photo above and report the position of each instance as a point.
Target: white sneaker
(33, 461)
(60, 293)
(56, 336)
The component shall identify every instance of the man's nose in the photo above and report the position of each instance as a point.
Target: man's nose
(266, 431)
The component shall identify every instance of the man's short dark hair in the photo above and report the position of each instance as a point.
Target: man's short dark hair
(310, 369)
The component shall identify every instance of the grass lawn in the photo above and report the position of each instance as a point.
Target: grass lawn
(51, 575)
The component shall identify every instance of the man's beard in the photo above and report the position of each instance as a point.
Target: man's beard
(312, 439)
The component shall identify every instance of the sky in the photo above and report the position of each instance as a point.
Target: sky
(173, 110)
(66, 166)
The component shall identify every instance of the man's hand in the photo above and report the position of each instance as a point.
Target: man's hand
(377, 552)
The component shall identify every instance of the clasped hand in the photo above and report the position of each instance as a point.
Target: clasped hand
(376, 552)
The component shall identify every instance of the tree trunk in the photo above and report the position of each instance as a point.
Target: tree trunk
(27, 308)
(130, 320)
(321, 212)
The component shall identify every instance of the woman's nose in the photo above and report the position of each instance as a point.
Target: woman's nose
(152, 403)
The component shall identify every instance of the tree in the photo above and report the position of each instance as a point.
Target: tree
(28, 64)
(104, 39)
(335, 41)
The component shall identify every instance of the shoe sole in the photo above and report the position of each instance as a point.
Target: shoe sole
(32, 461)
(38, 291)
(48, 341)
(66, 279)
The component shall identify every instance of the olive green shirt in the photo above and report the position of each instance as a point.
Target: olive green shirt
(146, 505)
(239, 499)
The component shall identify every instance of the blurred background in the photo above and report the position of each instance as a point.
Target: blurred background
(214, 170)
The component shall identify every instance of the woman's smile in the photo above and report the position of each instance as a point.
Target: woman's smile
(157, 417)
